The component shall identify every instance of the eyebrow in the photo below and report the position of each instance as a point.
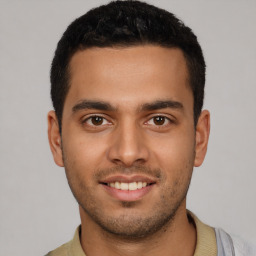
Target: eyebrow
(159, 104)
(89, 104)
(101, 105)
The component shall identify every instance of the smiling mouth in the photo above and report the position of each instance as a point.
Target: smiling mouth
(128, 186)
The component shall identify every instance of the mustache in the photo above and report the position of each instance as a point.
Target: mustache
(138, 169)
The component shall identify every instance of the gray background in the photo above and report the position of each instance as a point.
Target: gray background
(38, 212)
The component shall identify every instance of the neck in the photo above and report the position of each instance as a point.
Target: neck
(178, 237)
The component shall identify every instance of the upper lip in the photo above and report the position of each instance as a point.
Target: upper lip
(128, 179)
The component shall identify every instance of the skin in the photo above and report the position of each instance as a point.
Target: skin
(128, 140)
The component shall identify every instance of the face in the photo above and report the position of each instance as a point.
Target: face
(128, 139)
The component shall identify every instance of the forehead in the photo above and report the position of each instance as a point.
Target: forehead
(131, 75)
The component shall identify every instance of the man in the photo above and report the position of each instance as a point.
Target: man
(127, 88)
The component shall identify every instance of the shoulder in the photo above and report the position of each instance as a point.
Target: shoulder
(242, 247)
(72, 248)
(60, 251)
(233, 245)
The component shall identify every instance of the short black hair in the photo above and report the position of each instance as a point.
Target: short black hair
(125, 24)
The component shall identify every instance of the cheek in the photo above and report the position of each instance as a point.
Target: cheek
(173, 150)
(174, 155)
(84, 152)
(80, 161)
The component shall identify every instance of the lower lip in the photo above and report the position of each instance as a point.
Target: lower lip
(128, 195)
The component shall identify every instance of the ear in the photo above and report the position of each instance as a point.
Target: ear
(202, 137)
(55, 138)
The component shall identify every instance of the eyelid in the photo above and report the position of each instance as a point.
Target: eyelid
(88, 117)
(167, 117)
(150, 117)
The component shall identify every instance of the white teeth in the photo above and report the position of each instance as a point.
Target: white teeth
(133, 186)
(117, 185)
(124, 186)
(127, 186)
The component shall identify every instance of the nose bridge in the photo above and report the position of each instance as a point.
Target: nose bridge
(128, 145)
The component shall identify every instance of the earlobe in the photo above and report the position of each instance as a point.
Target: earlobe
(202, 137)
(54, 138)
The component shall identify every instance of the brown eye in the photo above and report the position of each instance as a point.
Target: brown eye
(159, 123)
(97, 120)
(159, 120)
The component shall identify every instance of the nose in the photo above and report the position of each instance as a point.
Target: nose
(128, 146)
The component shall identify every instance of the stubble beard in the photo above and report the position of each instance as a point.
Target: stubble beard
(129, 225)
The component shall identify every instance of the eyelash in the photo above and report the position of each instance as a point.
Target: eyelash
(166, 120)
(94, 116)
(164, 125)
